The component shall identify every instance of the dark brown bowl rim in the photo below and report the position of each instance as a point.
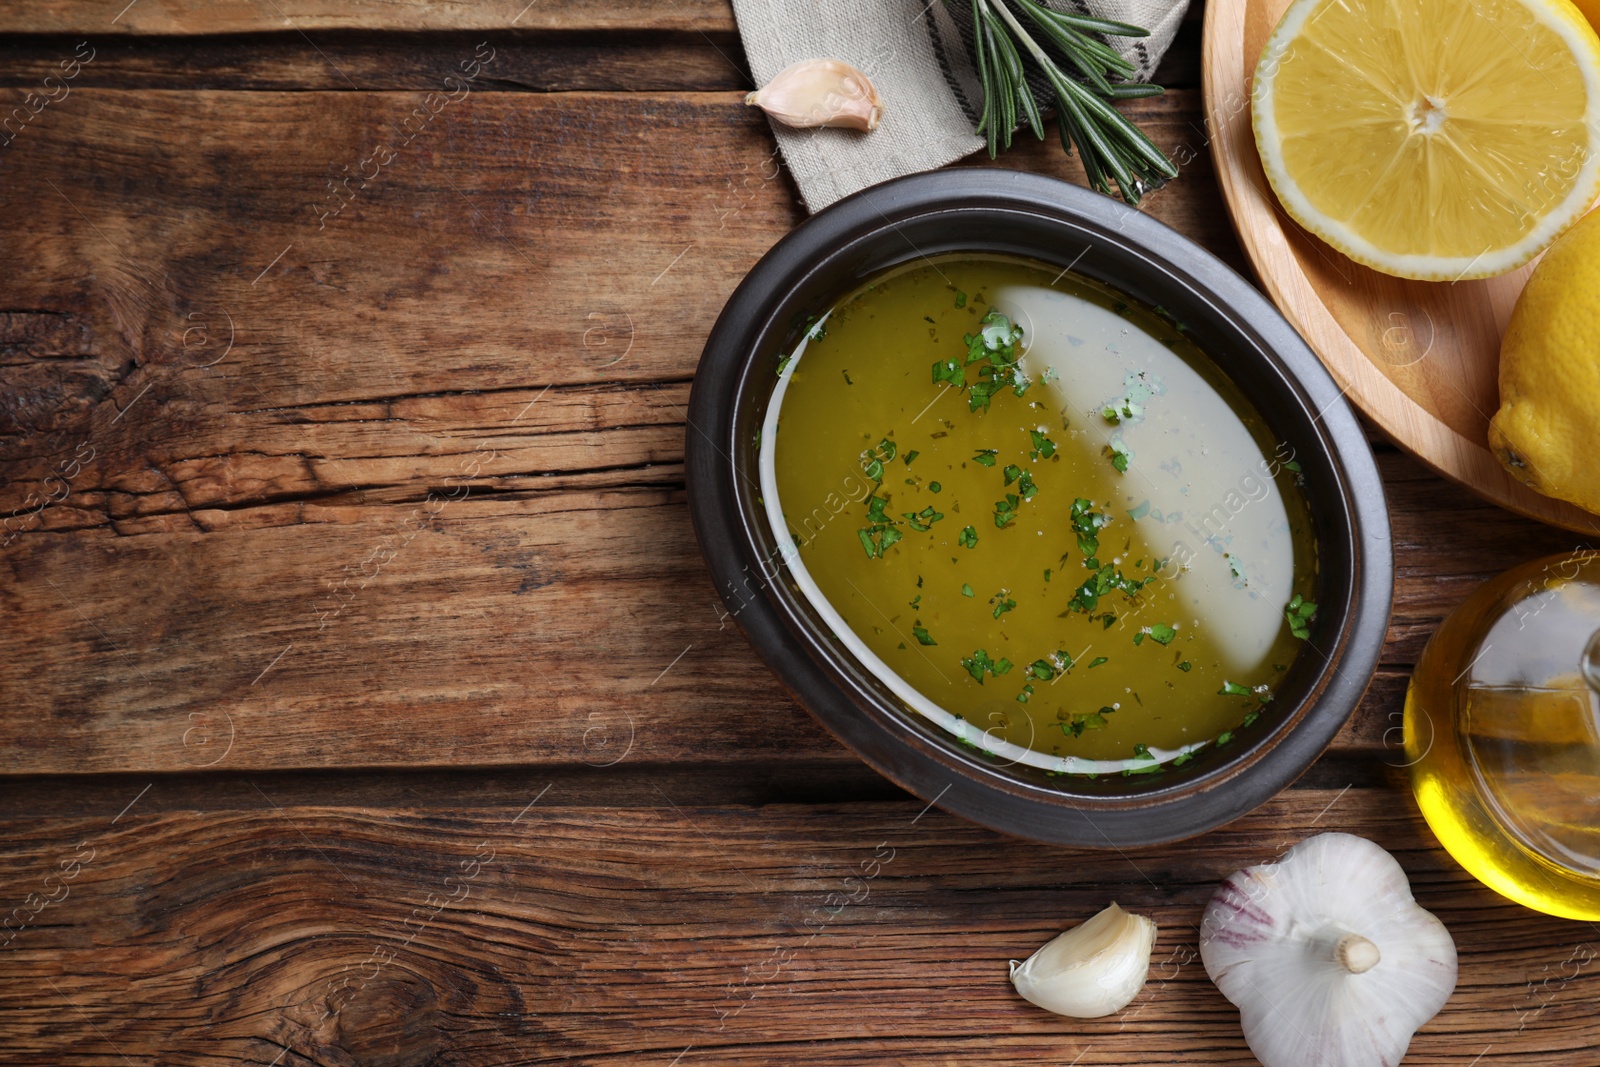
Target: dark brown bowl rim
(1149, 259)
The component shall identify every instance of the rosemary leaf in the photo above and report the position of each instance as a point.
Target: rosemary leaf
(1084, 70)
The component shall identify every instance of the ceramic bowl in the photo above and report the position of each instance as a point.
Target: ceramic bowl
(995, 211)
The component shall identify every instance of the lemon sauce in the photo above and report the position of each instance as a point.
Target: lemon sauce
(1040, 515)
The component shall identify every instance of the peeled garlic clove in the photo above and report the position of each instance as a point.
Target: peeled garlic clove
(1327, 956)
(1092, 970)
(820, 92)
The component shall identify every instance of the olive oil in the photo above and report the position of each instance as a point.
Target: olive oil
(1502, 733)
(1058, 530)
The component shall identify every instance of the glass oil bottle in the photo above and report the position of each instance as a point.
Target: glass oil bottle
(1502, 734)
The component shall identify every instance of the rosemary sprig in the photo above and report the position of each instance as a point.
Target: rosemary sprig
(1111, 147)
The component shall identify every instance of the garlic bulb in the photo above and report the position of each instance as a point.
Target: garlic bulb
(820, 92)
(1327, 956)
(1094, 969)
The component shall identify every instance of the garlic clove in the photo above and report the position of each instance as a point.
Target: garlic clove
(820, 92)
(1327, 956)
(1092, 970)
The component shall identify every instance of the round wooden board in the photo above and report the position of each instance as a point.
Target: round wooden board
(1418, 358)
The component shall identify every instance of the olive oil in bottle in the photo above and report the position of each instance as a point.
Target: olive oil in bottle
(1502, 735)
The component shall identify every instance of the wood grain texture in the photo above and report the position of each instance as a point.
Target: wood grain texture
(1418, 358)
(451, 933)
(215, 17)
(365, 60)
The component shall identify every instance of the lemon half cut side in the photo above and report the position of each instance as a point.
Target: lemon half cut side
(1431, 139)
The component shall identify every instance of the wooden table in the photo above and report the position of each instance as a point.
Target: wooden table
(366, 700)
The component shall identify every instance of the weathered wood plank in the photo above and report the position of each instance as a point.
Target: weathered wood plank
(519, 934)
(547, 61)
(541, 61)
(197, 17)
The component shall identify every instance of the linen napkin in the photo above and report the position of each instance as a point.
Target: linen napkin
(919, 56)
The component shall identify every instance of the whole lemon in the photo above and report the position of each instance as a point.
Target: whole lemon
(1547, 431)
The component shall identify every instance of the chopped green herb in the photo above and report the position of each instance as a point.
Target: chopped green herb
(966, 590)
(1105, 579)
(1077, 724)
(1300, 613)
(913, 454)
(1186, 666)
(1097, 661)
(1141, 511)
(1087, 523)
(1023, 479)
(881, 532)
(1162, 633)
(1233, 689)
(968, 538)
(1138, 387)
(1043, 447)
(980, 393)
(1042, 669)
(1182, 758)
(1002, 603)
(1292, 465)
(1005, 510)
(1224, 737)
(934, 487)
(961, 299)
(873, 459)
(985, 456)
(978, 664)
(1027, 691)
(921, 635)
(1119, 454)
(877, 539)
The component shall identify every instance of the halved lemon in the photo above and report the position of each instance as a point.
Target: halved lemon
(1432, 139)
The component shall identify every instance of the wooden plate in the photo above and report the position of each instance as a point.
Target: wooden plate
(1418, 358)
